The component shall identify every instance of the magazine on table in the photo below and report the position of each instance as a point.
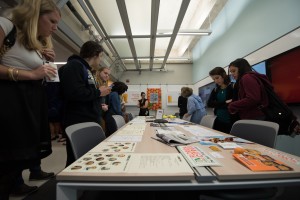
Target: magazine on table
(174, 137)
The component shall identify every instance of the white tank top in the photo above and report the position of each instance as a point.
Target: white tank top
(18, 56)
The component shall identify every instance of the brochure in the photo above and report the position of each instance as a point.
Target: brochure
(197, 157)
(258, 162)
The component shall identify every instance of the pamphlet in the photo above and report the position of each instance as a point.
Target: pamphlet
(258, 162)
(196, 157)
(228, 145)
(221, 139)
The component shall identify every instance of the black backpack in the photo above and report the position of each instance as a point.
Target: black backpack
(277, 111)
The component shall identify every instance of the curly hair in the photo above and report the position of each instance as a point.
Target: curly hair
(186, 92)
(119, 87)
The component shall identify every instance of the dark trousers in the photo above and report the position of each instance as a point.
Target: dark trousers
(8, 178)
(222, 126)
(20, 181)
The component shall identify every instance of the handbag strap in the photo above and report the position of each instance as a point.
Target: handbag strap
(8, 41)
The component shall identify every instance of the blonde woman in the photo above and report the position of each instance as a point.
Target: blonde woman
(23, 108)
(102, 77)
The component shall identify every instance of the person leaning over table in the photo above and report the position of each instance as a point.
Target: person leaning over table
(195, 106)
(80, 94)
(23, 116)
(219, 99)
(250, 92)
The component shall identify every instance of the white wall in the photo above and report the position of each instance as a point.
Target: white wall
(175, 74)
(169, 110)
(241, 28)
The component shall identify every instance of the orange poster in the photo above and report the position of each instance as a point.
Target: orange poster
(154, 97)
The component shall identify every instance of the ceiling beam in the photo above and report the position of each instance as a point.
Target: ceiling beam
(124, 16)
(90, 12)
(138, 36)
(143, 57)
(182, 11)
(154, 21)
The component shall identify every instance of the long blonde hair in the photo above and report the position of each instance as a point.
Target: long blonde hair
(25, 17)
(98, 79)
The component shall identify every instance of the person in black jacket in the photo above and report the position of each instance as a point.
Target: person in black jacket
(219, 99)
(182, 104)
(80, 93)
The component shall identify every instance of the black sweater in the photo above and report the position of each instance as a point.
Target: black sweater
(81, 97)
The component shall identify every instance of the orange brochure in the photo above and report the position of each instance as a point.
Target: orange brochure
(261, 162)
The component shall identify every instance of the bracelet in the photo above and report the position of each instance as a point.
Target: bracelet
(16, 75)
(10, 73)
(13, 74)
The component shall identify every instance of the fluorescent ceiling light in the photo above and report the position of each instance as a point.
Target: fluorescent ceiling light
(145, 59)
(185, 32)
(173, 59)
(60, 63)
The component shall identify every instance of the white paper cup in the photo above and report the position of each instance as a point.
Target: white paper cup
(53, 78)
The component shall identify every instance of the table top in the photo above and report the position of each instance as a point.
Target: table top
(131, 155)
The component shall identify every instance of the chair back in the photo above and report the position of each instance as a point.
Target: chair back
(258, 131)
(130, 116)
(84, 136)
(120, 121)
(208, 121)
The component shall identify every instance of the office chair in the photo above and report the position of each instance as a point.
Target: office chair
(261, 132)
(130, 116)
(120, 121)
(84, 136)
(208, 121)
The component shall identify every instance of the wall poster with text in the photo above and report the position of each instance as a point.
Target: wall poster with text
(154, 97)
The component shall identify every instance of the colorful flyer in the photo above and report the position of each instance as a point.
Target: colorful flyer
(101, 162)
(196, 157)
(258, 162)
(122, 147)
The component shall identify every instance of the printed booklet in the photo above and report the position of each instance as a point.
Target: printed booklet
(258, 162)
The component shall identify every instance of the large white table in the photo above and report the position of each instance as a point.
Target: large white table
(70, 183)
